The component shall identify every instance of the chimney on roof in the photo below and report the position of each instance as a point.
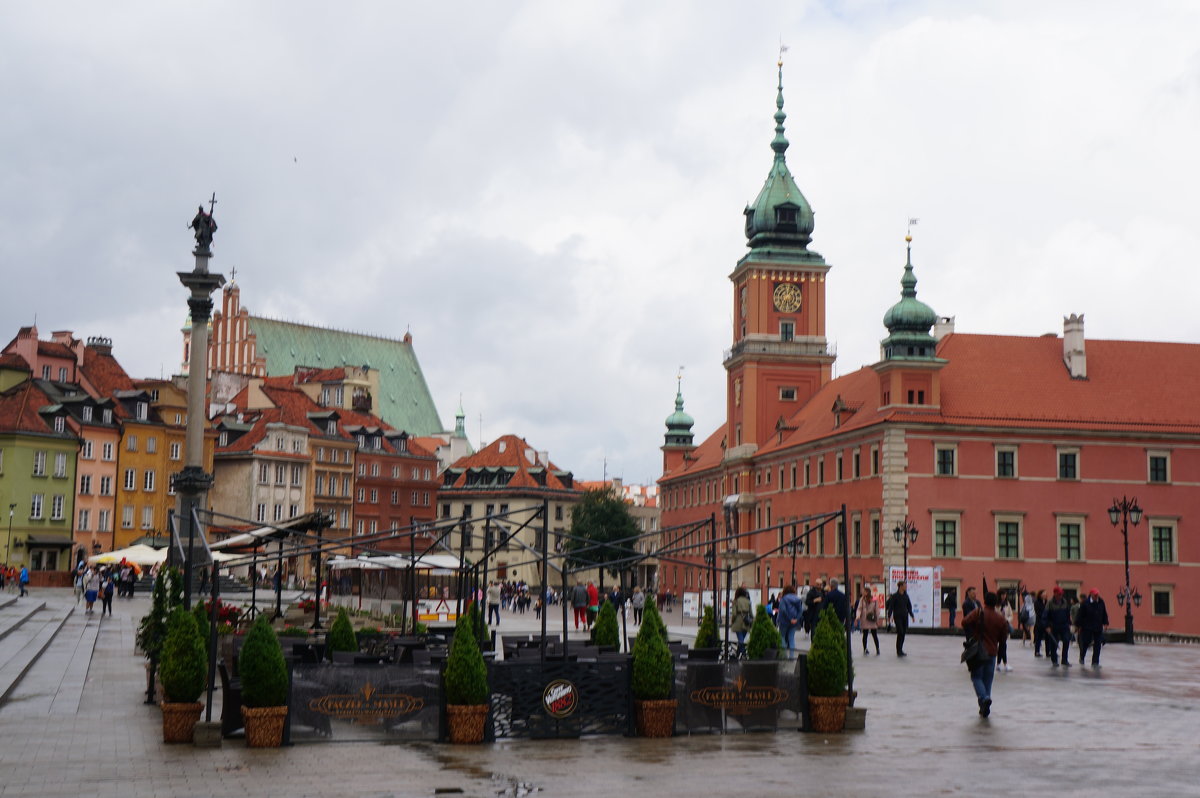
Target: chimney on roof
(62, 337)
(943, 327)
(100, 344)
(1074, 355)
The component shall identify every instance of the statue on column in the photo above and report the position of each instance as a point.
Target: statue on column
(205, 226)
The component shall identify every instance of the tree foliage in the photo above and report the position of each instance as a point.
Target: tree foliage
(605, 528)
(827, 663)
(341, 633)
(653, 668)
(262, 667)
(466, 672)
(166, 596)
(764, 635)
(606, 632)
(706, 635)
(183, 667)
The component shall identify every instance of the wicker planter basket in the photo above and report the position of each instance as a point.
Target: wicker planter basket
(655, 718)
(466, 722)
(827, 715)
(179, 721)
(264, 726)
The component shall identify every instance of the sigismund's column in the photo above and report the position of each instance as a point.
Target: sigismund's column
(193, 481)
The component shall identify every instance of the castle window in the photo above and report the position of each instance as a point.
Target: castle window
(787, 331)
(787, 394)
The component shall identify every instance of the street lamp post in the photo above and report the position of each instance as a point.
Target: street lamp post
(905, 533)
(1123, 512)
(8, 549)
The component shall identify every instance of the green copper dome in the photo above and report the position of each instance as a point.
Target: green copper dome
(679, 424)
(780, 216)
(909, 321)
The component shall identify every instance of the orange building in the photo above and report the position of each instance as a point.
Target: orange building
(1004, 452)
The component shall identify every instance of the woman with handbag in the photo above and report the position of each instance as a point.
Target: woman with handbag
(743, 618)
(867, 614)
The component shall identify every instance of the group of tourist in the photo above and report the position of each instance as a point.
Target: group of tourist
(92, 583)
(1053, 623)
(14, 579)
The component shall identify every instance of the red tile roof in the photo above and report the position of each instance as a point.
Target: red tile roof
(1013, 382)
(19, 408)
(509, 451)
(14, 362)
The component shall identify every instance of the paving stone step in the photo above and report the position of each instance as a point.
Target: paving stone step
(13, 616)
(26, 646)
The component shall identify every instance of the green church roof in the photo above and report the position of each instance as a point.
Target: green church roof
(404, 401)
(908, 321)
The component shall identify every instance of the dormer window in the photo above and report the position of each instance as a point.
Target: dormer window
(107, 415)
(785, 219)
(60, 424)
(87, 412)
(331, 427)
(143, 410)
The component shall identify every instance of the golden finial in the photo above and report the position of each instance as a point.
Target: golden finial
(782, 49)
(908, 235)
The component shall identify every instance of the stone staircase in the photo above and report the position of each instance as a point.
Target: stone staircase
(27, 628)
(145, 585)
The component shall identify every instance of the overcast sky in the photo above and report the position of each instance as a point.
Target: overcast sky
(549, 195)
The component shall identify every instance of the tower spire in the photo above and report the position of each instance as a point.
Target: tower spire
(780, 143)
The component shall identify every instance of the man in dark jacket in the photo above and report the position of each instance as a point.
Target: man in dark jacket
(899, 609)
(1056, 621)
(837, 599)
(814, 602)
(1091, 620)
(989, 627)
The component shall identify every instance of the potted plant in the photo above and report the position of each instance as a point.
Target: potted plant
(707, 645)
(606, 633)
(466, 683)
(341, 634)
(264, 686)
(827, 674)
(183, 669)
(152, 631)
(653, 678)
(764, 636)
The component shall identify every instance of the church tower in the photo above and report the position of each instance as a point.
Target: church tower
(779, 358)
(678, 442)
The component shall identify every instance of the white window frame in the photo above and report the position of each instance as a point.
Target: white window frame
(1150, 455)
(1069, 518)
(938, 448)
(1012, 518)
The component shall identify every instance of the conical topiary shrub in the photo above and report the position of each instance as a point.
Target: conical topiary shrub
(827, 674)
(341, 633)
(764, 635)
(653, 677)
(264, 685)
(706, 635)
(182, 669)
(166, 596)
(465, 682)
(182, 663)
(606, 632)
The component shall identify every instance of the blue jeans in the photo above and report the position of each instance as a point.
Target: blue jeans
(741, 636)
(789, 635)
(982, 678)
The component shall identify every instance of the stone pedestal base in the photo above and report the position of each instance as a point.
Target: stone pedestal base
(207, 735)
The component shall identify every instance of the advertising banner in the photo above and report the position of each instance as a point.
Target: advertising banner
(922, 592)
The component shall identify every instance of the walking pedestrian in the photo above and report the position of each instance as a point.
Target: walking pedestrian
(638, 601)
(1026, 617)
(900, 609)
(494, 598)
(989, 628)
(579, 604)
(1005, 610)
(108, 587)
(593, 605)
(866, 611)
(743, 618)
(1056, 622)
(791, 611)
(1091, 619)
(24, 579)
(814, 602)
(91, 589)
(1039, 631)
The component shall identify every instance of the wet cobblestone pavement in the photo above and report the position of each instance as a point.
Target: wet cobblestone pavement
(1131, 728)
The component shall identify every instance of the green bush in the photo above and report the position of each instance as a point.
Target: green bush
(341, 633)
(764, 635)
(183, 664)
(653, 668)
(166, 596)
(466, 673)
(706, 635)
(262, 667)
(294, 631)
(827, 664)
(650, 617)
(201, 616)
(606, 632)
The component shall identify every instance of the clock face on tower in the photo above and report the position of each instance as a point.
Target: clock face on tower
(787, 297)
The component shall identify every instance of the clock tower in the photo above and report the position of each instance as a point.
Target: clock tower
(779, 357)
